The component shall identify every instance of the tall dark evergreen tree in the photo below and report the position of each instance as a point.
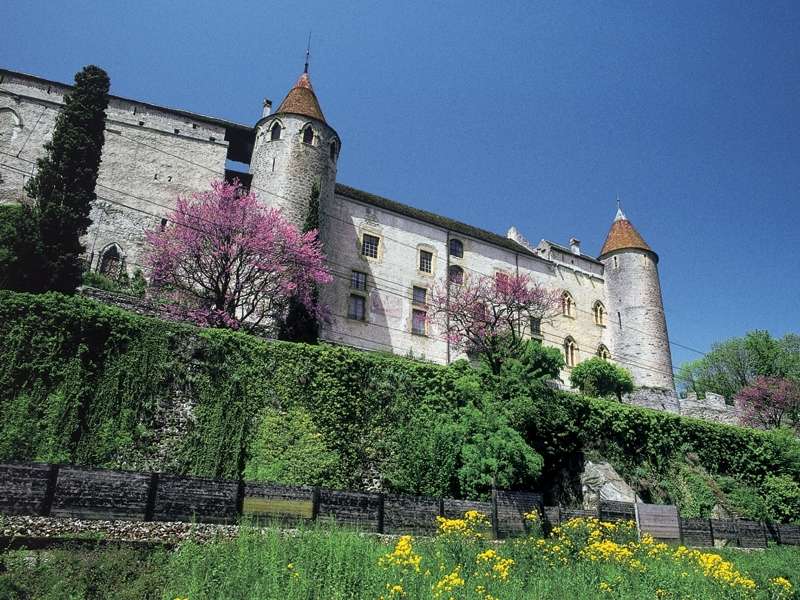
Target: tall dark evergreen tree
(300, 326)
(64, 183)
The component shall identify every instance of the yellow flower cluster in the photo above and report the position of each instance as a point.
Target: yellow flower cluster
(781, 588)
(499, 567)
(402, 556)
(449, 583)
(715, 567)
(472, 526)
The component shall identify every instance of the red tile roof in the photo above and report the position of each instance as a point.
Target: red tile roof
(623, 236)
(302, 100)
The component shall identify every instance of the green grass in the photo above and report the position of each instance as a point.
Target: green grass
(332, 563)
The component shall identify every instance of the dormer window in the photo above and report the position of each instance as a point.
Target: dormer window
(308, 135)
(275, 132)
(456, 248)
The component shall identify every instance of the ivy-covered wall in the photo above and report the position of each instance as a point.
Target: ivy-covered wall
(85, 383)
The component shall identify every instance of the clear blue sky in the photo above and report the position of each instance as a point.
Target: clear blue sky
(504, 113)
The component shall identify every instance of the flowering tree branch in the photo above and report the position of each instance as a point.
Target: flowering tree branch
(488, 316)
(229, 261)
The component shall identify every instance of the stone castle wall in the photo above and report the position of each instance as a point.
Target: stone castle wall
(150, 156)
(284, 170)
(638, 325)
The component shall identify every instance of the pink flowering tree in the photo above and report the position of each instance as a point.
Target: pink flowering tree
(770, 402)
(225, 260)
(488, 316)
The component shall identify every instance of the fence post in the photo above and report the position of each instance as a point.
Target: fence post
(315, 503)
(152, 492)
(50, 491)
(711, 530)
(495, 519)
(381, 498)
(240, 497)
(441, 507)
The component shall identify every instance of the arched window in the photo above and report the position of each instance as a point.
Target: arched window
(567, 305)
(111, 263)
(456, 248)
(570, 352)
(275, 132)
(603, 352)
(599, 314)
(10, 126)
(333, 150)
(455, 274)
(308, 135)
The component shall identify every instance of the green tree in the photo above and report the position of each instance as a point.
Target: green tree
(64, 183)
(737, 363)
(300, 325)
(782, 498)
(20, 249)
(598, 377)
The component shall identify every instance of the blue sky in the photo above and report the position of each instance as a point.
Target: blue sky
(523, 113)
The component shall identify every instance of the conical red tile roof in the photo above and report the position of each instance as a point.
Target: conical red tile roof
(623, 236)
(302, 100)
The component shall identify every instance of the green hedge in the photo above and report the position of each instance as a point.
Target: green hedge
(86, 383)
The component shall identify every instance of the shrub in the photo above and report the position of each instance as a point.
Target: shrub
(598, 377)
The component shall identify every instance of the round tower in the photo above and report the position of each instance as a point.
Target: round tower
(637, 323)
(294, 148)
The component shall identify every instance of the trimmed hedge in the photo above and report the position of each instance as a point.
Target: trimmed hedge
(86, 383)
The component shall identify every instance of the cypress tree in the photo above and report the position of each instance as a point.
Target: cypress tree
(300, 326)
(64, 183)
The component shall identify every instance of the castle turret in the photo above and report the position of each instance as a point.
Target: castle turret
(637, 322)
(294, 148)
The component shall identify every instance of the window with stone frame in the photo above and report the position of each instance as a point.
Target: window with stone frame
(357, 307)
(456, 248)
(358, 281)
(419, 322)
(419, 295)
(599, 314)
(425, 261)
(603, 352)
(111, 264)
(536, 327)
(275, 132)
(455, 274)
(568, 307)
(570, 352)
(333, 150)
(369, 245)
(308, 135)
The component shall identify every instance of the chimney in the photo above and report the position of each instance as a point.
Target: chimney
(267, 107)
(575, 246)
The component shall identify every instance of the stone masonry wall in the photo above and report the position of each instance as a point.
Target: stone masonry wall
(284, 170)
(150, 156)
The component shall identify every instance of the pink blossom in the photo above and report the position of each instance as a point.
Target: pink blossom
(228, 261)
(770, 402)
(483, 313)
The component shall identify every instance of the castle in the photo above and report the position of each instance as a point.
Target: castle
(385, 256)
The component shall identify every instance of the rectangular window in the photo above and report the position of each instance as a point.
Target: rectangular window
(536, 327)
(357, 307)
(358, 281)
(420, 295)
(418, 319)
(425, 261)
(369, 245)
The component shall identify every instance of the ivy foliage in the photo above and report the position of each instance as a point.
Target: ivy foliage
(85, 383)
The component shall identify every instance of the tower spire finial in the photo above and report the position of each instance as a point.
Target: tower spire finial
(308, 52)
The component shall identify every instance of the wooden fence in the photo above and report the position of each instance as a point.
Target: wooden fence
(87, 493)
